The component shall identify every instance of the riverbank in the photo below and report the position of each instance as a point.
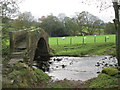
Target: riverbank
(22, 76)
(90, 49)
(78, 68)
(103, 80)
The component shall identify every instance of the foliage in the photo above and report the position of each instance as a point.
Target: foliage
(9, 7)
(110, 28)
(83, 23)
(24, 20)
(5, 46)
(71, 26)
(90, 21)
(52, 26)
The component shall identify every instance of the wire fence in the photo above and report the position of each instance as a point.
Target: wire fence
(81, 39)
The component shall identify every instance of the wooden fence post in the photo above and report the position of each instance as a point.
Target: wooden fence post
(94, 39)
(57, 41)
(70, 41)
(83, 40)
(105, 39)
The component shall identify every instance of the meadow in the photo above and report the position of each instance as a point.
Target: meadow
(77, 46)
(72, 40)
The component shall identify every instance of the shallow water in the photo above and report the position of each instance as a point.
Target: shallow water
(78, 68)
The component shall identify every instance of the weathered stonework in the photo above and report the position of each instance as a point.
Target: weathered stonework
(33, 44)
(16, 37)
(33, 39)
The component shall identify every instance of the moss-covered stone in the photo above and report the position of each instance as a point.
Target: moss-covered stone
(110, 71)
(105, 81)
(24, 76)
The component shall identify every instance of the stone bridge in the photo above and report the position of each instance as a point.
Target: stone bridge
(28, 45)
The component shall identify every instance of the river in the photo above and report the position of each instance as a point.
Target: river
(78, 68)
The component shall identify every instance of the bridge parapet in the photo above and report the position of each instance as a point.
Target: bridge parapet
(16, 37)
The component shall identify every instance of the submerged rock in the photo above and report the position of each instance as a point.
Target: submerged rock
(63, 66)
(59, 59)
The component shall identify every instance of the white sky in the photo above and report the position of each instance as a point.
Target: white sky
(40, 8)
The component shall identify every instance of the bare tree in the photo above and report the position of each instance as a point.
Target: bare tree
(9, 7)
(101, 4)
(24, 20)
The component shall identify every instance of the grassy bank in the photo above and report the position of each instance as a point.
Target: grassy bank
(89, 49)
(23, 76)
(108, 79)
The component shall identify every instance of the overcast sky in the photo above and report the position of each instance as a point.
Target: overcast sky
(40, 8)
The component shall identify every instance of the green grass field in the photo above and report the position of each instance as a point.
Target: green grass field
(73, 46)
(79, 39)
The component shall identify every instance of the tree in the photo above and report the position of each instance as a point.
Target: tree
(52, 25)
(109, 28)
(71, 26)
(9, 7)
(61, 17)
(8, 10)
(107, 4)
(101, 4)
(24, 20)
(85, 19)
(99, 24)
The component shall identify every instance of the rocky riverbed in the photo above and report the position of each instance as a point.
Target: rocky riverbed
(77, 68)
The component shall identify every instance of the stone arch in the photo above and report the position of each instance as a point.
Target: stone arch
(41, 51)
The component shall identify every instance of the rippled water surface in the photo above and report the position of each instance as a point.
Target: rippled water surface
(77, 68)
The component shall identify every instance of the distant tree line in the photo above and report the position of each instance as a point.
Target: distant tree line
(82, 23)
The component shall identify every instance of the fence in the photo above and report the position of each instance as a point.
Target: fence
(81, 39)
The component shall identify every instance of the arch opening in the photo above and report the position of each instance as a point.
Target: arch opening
(41, 53)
